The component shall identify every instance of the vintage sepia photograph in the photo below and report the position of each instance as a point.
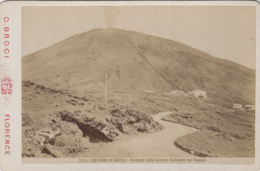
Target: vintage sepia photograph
(138, 81)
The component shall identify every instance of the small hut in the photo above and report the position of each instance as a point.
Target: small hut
(237, 106)
(199, 93)
(176, 92)
(249, 107)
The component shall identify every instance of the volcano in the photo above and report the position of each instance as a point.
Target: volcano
(133, 61)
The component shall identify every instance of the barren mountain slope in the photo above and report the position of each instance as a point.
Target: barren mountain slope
(137, 62)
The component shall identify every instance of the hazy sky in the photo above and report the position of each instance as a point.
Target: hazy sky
(224, 32)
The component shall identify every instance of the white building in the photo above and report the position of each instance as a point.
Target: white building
(237, 106)
(149, 92)
(199, 93)
(249, 107)
(176, 92)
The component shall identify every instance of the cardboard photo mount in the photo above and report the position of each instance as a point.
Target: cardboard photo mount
(31, 27)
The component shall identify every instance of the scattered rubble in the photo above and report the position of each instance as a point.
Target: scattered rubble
(131, 122)
(47, 136)
(26, 120)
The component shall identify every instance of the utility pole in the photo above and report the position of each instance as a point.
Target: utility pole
(129, 100)
(106, 93)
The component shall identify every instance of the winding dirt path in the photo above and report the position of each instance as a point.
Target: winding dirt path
(159, 144)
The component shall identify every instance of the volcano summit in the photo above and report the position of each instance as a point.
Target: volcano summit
(135, 61)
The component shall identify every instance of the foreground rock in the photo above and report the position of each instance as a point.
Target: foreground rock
(95, 129)
(210, 144)
(132, 122)
(71, 133)
(220, 134)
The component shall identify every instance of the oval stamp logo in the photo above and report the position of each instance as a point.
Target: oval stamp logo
(6, 83)
(6, 86)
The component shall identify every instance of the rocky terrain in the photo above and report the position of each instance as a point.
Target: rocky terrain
(224, 132)
(87, 92)
(67, 125)
(70, 126)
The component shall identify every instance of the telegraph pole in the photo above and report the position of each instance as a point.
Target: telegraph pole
(106, 93)
(129, 100)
